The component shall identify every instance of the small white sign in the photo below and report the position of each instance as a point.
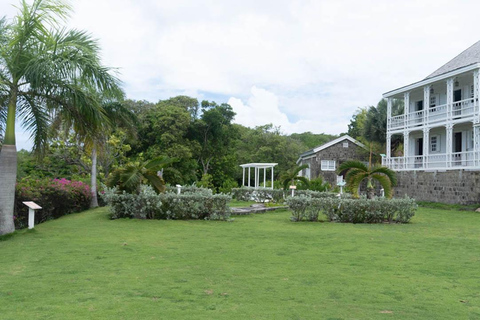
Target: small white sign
(293, 187)
(32, 205)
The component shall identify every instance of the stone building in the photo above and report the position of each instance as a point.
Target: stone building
(324, 160)
(440, 129)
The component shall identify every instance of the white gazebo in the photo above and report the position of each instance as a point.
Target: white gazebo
(257, 167)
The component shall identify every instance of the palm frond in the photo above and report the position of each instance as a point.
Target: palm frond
(387, 172)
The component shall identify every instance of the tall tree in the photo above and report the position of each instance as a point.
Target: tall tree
(45, 69)
(215, 134)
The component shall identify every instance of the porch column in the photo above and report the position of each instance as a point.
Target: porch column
(476, 145)
(406, 108)
(449, 143)
(406, 151)
(449, 98)
(389, 113)
(426, 103)
(476, 83)
(389, 145)
(426, 146)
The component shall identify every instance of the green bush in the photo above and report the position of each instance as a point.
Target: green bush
(57, 197)
(149, 205)
(352, 210)
(190, 189)
(145, 205)
(258, 195)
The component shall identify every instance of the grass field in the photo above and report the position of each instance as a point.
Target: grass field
(85, 266)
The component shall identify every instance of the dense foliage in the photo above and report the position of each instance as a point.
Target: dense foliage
(149, 205)
(379, 210)
(57, 197)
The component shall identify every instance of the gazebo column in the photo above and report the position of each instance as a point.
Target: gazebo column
(272, 177)
(249, 176)
(243, 176)
(265, 177)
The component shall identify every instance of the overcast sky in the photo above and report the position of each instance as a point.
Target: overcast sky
(301, 65)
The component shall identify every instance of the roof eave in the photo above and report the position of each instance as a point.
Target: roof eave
(427, 81)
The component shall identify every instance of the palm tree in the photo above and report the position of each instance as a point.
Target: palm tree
(130, 177)
(44, 70)
(357, 171)
(121, 117)
(291, 175)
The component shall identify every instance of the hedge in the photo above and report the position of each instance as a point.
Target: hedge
(149, 205)
(379, 210)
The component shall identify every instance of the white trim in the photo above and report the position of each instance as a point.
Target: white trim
(340, 139)
(326, 165)
(424, 82)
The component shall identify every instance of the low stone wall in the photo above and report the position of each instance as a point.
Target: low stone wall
(455, 186)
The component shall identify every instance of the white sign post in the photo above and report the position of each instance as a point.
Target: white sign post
(293, 189)
(32, 206)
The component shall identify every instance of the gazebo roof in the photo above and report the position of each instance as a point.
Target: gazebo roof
(258, 165)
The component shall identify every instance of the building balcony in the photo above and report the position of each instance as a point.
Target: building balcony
(456, 160)
(460, 111)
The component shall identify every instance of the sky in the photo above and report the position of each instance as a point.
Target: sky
(301, 65)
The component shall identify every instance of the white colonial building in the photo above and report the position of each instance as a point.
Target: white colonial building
(440, 122)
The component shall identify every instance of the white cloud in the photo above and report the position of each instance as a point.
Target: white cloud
(317, 61)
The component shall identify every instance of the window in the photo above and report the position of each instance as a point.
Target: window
(433, 101)
(345, 144)
(307, 172)
(434, 144)
(328, 165)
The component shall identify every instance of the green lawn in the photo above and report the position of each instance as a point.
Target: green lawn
(85, 266)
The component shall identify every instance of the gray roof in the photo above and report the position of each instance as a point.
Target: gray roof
(468, 57)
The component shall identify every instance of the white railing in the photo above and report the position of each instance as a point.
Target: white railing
(457, 160)
(463, 109)
(437, 114)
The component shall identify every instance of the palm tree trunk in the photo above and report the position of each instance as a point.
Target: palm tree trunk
(8, 177)
(8, 169)
(93, 181)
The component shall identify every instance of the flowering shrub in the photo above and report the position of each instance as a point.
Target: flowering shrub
(352, 210)
(57, 197)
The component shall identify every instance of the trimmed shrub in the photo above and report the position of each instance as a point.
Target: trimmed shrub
(169, 205)
(190, 189)
(258, 195)
(57, 197)
(352, 210)
(145, 205)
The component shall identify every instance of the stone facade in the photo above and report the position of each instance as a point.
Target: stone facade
(455, 186)
(341, 151)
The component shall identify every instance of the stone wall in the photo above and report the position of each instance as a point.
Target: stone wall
(455, 186)
(336, 152)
